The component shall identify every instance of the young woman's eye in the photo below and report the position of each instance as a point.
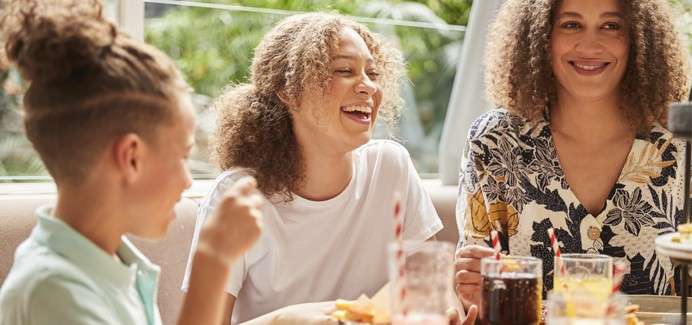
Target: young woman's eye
(374, 75)
(612, 26)
(570, 25)
(343, 71)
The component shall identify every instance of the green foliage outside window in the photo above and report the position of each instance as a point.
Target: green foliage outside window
(213, 48)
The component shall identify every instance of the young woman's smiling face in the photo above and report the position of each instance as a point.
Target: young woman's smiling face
(345, 114)
(589, 48)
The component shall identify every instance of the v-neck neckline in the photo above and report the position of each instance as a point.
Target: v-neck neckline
(573, 196)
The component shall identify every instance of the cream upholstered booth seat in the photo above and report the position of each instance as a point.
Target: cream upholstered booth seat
(19, 201)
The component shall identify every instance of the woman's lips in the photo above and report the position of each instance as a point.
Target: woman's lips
(359, 117)
(358, 113)
(589, 68)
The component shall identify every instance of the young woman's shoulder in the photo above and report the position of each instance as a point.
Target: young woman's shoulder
(222, 183)
(385, 158)
(497, 123)
(226, 179)
(387, 150)
(660, 136)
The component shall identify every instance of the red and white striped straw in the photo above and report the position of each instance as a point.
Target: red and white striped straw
(400, 258)
(556, 249)
(619, 269)
(495, 239)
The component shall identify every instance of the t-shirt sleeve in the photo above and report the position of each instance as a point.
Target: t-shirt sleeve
(60, 300)
(421, 220)
(206, 209)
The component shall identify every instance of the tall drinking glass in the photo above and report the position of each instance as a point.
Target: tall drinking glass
(584, 274)
(422, 277)
(512, 288)
(582, 309)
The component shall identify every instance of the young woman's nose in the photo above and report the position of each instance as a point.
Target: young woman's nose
(366, 85)
(590, 44)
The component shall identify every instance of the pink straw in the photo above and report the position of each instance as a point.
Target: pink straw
(400, 258)
(494, 237)
(619, 268)
(556, 249)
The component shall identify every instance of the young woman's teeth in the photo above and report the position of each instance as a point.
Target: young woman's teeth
(589, 67)
(360, 109)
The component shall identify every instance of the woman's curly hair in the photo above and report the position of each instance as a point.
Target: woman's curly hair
(519, 76)
(255, 130)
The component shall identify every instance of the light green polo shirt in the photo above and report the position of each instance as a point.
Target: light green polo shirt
(60, 277)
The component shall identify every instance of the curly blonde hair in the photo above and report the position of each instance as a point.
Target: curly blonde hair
(255, 130)
(519, 76)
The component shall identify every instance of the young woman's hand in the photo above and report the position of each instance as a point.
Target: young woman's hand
(470, 319)
(236, 223)
(468, 281)
(317, 313)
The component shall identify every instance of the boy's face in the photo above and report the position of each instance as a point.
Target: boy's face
(165, 175)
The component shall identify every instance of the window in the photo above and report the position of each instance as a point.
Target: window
(212, 42)
(18, 161)
(213, 45)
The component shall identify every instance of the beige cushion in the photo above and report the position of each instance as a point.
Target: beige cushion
(17, 219)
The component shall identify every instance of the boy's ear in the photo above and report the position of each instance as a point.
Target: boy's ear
(128, 151)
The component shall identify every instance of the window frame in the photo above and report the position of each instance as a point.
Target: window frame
(465, 92)
(130, 17)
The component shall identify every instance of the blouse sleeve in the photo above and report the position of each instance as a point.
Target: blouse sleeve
(481, 204)
(472, 218)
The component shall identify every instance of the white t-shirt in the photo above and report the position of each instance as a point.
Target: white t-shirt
(313, 251)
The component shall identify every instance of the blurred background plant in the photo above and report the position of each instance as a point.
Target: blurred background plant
(683, 12)
(218, 52)
(213, 48)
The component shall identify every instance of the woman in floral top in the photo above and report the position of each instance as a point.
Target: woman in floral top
(577, 145)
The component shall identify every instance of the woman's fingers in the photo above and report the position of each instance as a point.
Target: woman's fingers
(467, 277)
(474, 251)
(468, 264)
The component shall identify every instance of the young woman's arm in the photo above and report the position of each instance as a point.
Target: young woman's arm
(317, 313)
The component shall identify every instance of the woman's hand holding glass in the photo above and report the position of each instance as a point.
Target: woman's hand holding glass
(467, 279)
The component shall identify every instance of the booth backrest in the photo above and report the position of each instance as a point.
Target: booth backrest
(17, 219)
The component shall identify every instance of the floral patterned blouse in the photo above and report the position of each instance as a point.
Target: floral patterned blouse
(511, 181)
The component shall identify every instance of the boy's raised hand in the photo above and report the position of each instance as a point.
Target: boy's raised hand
(236, 223)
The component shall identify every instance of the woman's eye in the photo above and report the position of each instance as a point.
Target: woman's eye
(570, 25)
(373, 75)
(343, 71)
(612, 26)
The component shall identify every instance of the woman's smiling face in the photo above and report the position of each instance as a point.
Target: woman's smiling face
(589, 48)
(345, 113)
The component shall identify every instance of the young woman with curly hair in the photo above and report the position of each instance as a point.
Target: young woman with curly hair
(112, 120)
(302, 127)
(576, 144)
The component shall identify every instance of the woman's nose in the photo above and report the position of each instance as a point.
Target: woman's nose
(589, 45)
(366, 86)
